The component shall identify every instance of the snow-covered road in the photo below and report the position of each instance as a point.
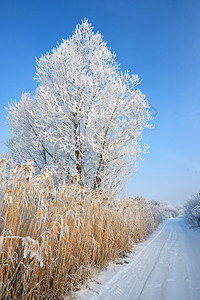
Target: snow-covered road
(167, 266)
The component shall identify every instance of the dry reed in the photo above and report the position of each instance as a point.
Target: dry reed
(51, 237)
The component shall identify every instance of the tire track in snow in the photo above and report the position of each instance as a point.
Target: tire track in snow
(166, 268)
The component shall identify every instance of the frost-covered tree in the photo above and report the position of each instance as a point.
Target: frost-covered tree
(165, 209)
(192, 210)
(86, 116)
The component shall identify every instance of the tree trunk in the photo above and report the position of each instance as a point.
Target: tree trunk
(78, 153)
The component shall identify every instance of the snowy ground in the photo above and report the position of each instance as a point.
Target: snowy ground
(166, 266)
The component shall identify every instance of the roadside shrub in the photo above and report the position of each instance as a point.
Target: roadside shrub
(192, 210)
(164, 210)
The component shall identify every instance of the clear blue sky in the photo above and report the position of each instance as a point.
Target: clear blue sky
(159, 40)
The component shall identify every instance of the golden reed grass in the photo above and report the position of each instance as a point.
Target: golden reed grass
(52, 237)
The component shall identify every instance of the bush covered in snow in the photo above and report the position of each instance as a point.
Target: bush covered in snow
(192, 210)
(164, 210)
(180, 209)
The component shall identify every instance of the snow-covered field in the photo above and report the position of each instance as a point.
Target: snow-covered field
(166, 266)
